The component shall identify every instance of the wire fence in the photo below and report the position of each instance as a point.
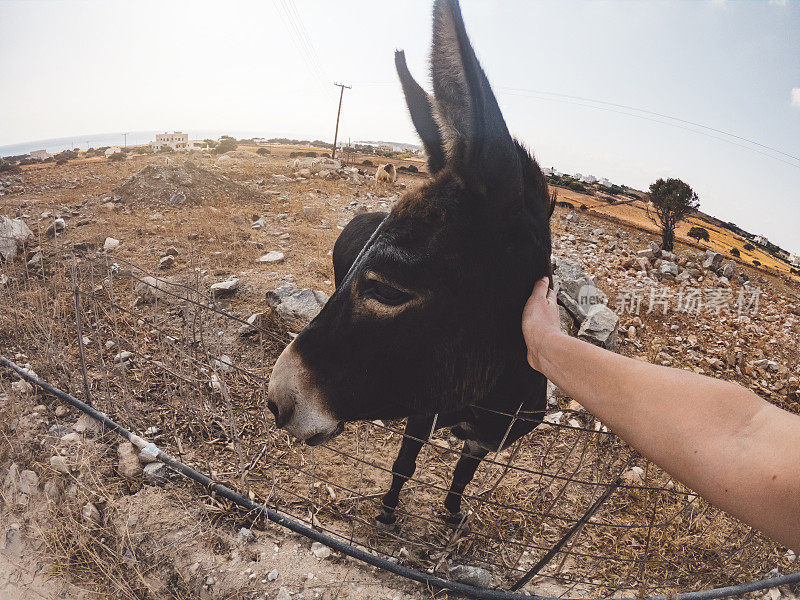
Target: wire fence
(162, 355)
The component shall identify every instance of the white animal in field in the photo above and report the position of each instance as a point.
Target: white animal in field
(386, 173)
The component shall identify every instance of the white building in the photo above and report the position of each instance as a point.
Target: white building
(113, 150)
(604, 182)
(761, 240)
(588, 178)
(794, 259)
(175, 141)
(40, 154)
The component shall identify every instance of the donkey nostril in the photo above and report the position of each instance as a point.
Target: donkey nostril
(273, 408)
(281, 419)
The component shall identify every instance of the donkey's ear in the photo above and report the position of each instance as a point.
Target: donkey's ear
(420, 106)
(475, 135)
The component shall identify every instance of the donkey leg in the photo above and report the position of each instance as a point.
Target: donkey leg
(405, 464)
(471, 457)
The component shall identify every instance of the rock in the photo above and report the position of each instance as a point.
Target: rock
(272, 576)
(600, 327)
(56, 227)
(729, 269)
(166, 262)
(60, 464)
(223, 363)
(311, 213)
(470, 575)
(654, 248)
(110, 244)
(128, 465)
(283, 593)
(634, 475)
(320, 550)
(21, 387)
(259, 224)
(712, 261)
(122, 357)
(669, 269)
(155, 473)
(273, 256)
(149, 454)
(86, 425)
(246, 536)
(576, 290)
(178, 197)
(225, 288)
(305, 173)
(290, 301)
(35, 261)
(14, 233)
(90, 513)
(647, 253)
(151, 289)
(61, 411)
(254, 323)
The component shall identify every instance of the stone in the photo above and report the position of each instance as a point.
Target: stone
(669, 269)
(311, 213)
(14, 233)
(60, 464)
(283, 594)
(272, 576)
(35, 261)
(259, 224)
(56, 227)
(273, 256)
(729, 269)
(166, 262)
(225, 288)
(151, 289)
(470, 575)
(128, 465)
(254, 323)
(90, 513)
(577, 291)
(123, 356)
(712, 261)
(320, 550)
(600, 327)
(21, 387)
(110, 244)
(290, 301)
(155, 473)
(246, 536)
(634, 475)
(86, 425)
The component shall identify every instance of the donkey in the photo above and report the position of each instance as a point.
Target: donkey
(425, 319)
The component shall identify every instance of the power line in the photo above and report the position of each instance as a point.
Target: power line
(658, 114)
(306, 38)
(671, 124)
(291, 28)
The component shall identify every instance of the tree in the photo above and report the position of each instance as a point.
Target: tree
(749, 247)
(735, 252)
(117, 157)
(262, 151)
(226, 144)
(699, 233)
(671, 200)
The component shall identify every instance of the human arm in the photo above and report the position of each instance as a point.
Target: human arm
(733, 448)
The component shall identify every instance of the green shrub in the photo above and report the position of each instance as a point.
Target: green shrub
(263, 151)
(367, 163)
(584, 207)
(576, 186)
(413, 169)
(749, 247)
(62, 161)
(226, 144)
(735, 252)
(699, 233)
(757, 263)
(310, 154)
(117, 157)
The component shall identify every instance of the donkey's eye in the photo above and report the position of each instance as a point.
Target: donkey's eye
(386, 294)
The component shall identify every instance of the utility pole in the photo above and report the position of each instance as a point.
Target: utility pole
(125, 135)
(338, 113)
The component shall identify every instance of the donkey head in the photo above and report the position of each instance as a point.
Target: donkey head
(428, 317)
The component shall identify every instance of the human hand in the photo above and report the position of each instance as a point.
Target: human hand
(540, 321)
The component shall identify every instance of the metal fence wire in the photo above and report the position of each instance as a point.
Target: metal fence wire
(161, 354)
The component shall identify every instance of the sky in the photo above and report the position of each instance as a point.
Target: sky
(707, 91)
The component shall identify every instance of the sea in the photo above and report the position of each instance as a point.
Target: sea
(134, 138)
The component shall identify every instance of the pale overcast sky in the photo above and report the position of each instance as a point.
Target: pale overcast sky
(72, 68)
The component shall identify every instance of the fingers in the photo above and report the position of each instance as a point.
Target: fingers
(540, 289)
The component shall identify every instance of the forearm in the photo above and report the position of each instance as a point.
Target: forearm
(733, 448)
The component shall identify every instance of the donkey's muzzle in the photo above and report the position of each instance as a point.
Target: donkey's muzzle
(298, 405)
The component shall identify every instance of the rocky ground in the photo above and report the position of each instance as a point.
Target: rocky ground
(86, 516)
